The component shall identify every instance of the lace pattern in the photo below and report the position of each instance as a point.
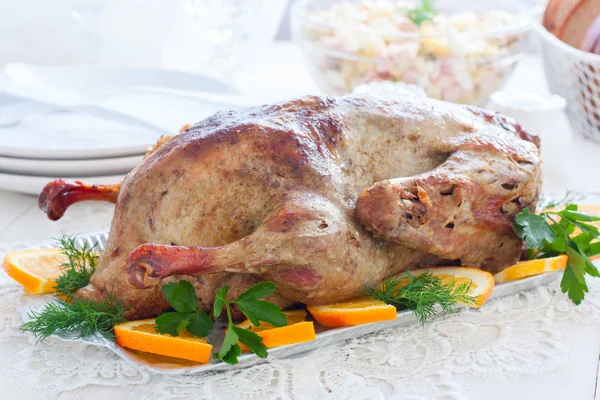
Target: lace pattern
(508, 337)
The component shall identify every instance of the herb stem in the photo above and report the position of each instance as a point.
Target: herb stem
(228, 308)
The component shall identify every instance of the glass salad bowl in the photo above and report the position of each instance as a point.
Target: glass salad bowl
(456, 50)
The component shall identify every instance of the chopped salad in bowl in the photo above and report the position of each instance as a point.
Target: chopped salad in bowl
(459, 51)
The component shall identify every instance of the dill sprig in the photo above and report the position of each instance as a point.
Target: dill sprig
(570, 197)
(80, 318)
(421, 294)
(76, 273)
(72, 315)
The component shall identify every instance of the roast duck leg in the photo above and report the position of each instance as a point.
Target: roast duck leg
(320, 195)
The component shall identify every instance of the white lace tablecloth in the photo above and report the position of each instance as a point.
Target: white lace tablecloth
(535, 345)
(531, 345)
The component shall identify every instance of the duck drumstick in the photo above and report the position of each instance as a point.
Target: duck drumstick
(59, 194)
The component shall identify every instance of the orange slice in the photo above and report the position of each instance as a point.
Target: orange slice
(524, 269)
(36, 270)
(482, 282)
(141, 335)
(297, 330)
(362, 310)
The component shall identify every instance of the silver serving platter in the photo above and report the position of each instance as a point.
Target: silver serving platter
(167, 366)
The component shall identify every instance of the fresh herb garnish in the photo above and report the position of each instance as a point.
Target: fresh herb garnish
(76, 273)
(423, 13)
(422, 293)
(187, 315)
(547, 236)
(255, 310)
(78, 317)
(84, 317)
(548, 201)
(81, 318)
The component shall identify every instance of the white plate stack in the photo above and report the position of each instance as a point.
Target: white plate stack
(28, 162)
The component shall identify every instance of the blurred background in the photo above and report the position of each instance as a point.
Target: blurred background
(167, 33)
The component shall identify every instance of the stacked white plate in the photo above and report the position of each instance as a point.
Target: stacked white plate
(92, 124)
(28, 162)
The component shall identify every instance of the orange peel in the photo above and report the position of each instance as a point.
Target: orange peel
(141, 335)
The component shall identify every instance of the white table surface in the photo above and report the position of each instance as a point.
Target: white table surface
(278, 73)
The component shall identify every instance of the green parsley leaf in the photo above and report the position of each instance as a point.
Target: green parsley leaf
(585, 228)
(257, 311)
(200, 324)
(545, 237)
(258, 291)
(252, 341)
(534, 229)
(220, 301)
(559, 245)
(572, 214)
(172, 323)
(573, 281)
(182, 296)
(187, 315)
(593, 249)
(230, 350)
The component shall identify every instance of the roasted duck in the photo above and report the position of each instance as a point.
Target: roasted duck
(320, 195)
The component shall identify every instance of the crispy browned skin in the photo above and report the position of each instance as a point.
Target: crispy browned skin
(320, 195)
(58, 195)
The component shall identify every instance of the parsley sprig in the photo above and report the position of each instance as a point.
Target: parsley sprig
(548, 234)
(188, 316)
(84, 317)
(79, 268)
(422, 293)
(423, 13)
(256, 311)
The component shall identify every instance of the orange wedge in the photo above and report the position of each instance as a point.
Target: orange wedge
(524, 269)
(36, 270)
(297, 330)
(141, 335)
(362, 310)
(482, 282)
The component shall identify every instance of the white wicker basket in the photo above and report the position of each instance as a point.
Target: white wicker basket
(574, 75)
